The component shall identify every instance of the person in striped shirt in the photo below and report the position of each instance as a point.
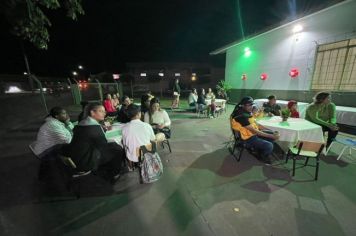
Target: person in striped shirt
(56, 131)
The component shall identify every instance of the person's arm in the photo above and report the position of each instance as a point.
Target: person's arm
(278, 110)
(313, 114)
(167, 121)
(260, 133)
(98, 136)
(63, 135)
(333, 114)
(146, 118)
(152, 134)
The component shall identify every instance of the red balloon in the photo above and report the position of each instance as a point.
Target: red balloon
(264, 76)
(294, 73)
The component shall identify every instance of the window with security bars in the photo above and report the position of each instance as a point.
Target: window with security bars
(335, 66)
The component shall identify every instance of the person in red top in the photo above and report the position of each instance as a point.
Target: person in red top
(109, 108)
(292, 107)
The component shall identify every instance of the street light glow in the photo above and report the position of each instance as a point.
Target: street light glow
(80, 67)
(74, 73)
(161, 74)
(25, 73)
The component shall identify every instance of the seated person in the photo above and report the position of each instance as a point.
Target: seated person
(53, 134)
(122, 116)
(292, 107)
(222, 95)
(135, 133)
(212, 108)
(271, 107)
(145, 103)
(257, 113)
(210, 94)
(323, 113)
(109, 108)
(158, 118)
(193, 98)
(115, 101)
(243, 122)
(201, 100)
(89, 148)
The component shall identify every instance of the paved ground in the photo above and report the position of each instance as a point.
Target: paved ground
(203, 191)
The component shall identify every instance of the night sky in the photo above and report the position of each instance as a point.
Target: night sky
(113, 32)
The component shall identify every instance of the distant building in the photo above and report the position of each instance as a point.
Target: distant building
(159, 77)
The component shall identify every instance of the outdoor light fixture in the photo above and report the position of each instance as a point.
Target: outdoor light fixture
(80, 67)
(294, 73)
(297, 29)
(116, 76)
(161, 74)
(177, 74)
(264, 76)
(194, 74)
(247, 52)
(143, 74)
(74, 73)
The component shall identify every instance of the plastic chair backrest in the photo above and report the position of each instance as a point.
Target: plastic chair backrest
(139, 150)
(310, 146)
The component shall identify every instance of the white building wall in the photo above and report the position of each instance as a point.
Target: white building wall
(277, 51)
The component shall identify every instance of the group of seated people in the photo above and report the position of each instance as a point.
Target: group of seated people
(198, 101)
(243, 119)
(86, 143)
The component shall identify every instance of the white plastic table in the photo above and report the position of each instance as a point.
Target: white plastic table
(115, 134)
(293, 129)
(346, 115)
(218, 102)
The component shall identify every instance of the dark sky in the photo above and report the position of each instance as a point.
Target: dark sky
(113, 32)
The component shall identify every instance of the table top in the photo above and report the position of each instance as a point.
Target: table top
(284, 102)
(115, 134)
(291, 124)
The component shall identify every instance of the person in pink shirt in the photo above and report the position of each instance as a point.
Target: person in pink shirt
(109, 108)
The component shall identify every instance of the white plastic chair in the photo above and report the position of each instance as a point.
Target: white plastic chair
(347, 142)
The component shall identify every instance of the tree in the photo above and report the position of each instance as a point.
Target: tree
(27, 18)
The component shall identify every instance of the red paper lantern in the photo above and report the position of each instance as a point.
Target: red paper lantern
(294, 73)
(244, 77)
(264, 76)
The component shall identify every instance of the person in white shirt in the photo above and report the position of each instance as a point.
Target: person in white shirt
(158, 118)
(193, 98)
(135, 133)
(56, 131)
(210, 95)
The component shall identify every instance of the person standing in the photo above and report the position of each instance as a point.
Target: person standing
(323, 112)
(176, 94)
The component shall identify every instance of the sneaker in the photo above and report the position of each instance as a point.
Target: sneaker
(267, 161)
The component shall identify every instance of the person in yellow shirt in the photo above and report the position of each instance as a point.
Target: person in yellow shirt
(244, 122)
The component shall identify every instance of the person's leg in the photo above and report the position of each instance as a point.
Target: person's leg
(331, 135)
(111, 159)
(264, 147)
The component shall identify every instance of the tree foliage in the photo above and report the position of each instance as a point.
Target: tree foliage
(27, 18)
